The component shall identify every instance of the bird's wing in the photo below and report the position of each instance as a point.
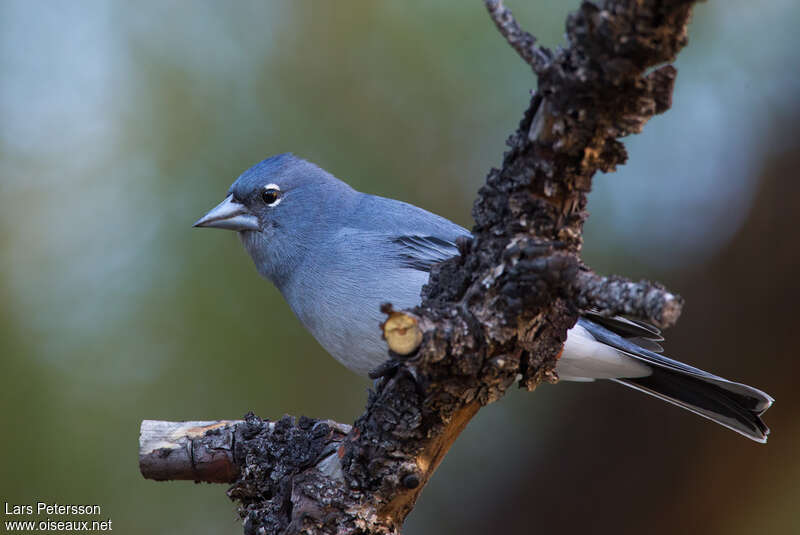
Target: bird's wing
(639, 332)
(422, 252)
(416, 238)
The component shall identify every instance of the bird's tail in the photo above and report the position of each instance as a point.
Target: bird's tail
(729, 407)
(734, 405)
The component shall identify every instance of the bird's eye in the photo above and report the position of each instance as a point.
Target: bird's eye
(271, 195)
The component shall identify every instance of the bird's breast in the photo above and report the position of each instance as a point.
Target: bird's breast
(341, 309)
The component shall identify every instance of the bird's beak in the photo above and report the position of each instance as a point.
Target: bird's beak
(230, 215)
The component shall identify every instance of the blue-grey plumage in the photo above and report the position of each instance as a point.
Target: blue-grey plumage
(337, 254)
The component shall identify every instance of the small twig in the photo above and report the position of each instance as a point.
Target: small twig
(216, 451)
(196, 451)
(520, 40)
(614, 295)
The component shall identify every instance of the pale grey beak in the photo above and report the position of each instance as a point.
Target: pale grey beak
(230, 215)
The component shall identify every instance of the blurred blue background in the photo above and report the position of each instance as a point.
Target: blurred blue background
(122, 123)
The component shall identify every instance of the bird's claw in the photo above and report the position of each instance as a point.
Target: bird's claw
(395, 369)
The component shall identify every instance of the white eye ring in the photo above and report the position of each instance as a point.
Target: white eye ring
(271, 195)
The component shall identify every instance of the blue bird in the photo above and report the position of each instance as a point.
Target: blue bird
(337, 254)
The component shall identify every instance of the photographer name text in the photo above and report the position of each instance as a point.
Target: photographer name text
(42, 508)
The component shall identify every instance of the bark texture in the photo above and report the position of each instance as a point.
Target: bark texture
(500, 310)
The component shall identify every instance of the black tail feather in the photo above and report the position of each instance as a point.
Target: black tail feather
(705, 397)
(734, 405)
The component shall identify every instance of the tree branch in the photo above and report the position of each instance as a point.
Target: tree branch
(207, 451)
(195, 451)
(610, 296)
(520, 40)
(498, 311)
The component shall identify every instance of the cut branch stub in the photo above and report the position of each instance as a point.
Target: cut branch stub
(401, 331)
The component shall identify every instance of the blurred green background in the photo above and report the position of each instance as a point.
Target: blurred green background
(121, 123)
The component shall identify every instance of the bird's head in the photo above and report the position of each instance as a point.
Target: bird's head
(278, 207)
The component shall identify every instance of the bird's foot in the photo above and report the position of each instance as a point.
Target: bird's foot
(395, 369)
